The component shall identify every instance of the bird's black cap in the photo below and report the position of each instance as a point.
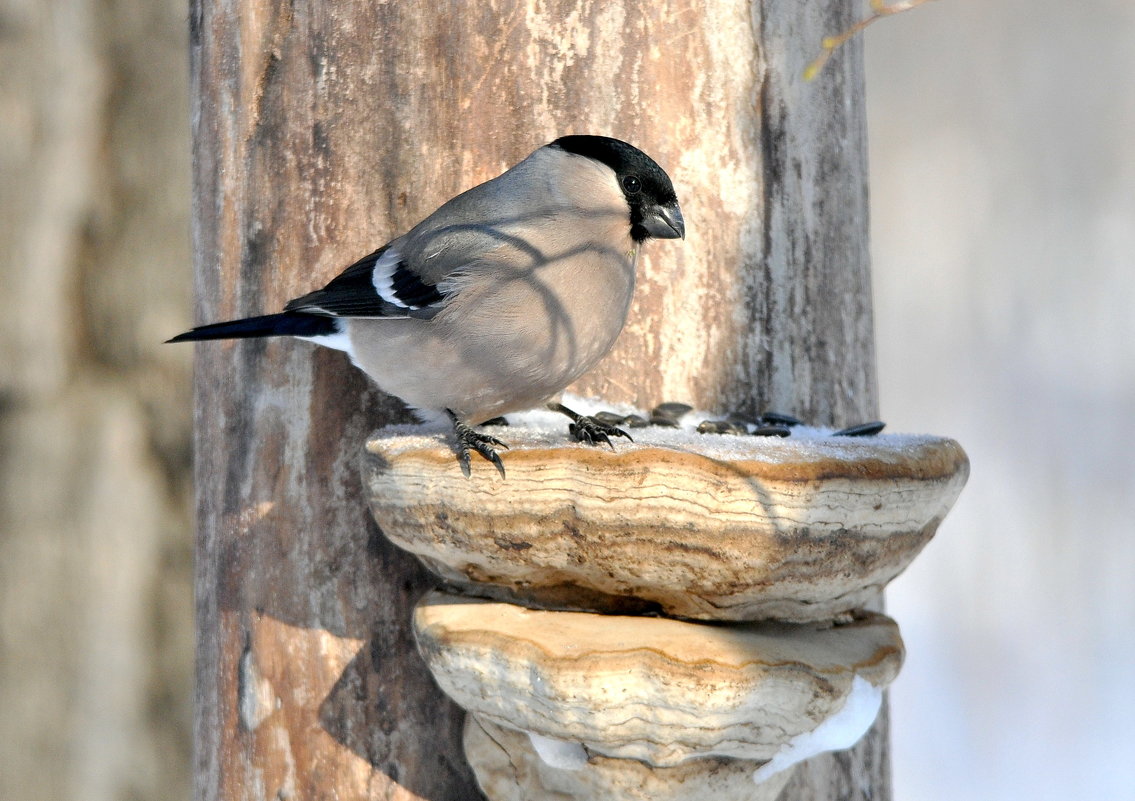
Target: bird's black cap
(646, 186)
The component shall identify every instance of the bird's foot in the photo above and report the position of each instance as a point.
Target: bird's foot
(588, 429)
(469, 439)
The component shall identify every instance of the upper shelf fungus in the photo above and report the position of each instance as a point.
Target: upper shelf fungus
(684, 524)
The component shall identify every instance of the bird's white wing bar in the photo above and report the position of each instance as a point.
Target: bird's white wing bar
(401, 286)
(385, 267)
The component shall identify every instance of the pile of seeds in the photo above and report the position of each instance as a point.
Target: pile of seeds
(768, 424)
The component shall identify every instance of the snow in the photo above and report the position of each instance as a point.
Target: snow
(558, 753)
(842, 730)
(545, 428)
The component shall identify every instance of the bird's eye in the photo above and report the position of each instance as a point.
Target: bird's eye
(631, 185)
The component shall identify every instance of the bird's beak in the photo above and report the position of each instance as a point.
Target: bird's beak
(665, 222)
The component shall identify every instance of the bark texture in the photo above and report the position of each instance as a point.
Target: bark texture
(323, 130)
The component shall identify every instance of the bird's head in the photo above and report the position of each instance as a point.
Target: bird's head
(654, 210)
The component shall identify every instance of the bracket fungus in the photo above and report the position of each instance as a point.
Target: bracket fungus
(657, 690)
(509, 768)
(690, 525)
(682, 618)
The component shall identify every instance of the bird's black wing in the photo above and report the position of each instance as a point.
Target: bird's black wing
(378, 285)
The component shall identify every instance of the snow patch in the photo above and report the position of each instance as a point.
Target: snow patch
(544, 428)
(842, 730)
(558, 753)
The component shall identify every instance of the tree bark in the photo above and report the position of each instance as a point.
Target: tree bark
(323, 130)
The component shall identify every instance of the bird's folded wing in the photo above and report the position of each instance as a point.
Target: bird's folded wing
(378, 285)
(413, 276)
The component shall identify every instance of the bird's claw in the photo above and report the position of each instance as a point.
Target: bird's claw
(584, 428)
(469, 439)
(593, 432)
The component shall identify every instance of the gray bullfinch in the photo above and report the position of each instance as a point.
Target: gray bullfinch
(500, 298)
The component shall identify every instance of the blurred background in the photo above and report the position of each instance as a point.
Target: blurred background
(1003, 202)
(1003, 243)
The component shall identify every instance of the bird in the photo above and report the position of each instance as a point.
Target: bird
(500, 298)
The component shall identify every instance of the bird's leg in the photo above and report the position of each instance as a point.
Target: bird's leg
(587, 429)
(469, 439)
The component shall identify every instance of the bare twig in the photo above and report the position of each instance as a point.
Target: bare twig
(879, 10)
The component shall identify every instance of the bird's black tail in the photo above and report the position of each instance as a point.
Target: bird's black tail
(285, 324)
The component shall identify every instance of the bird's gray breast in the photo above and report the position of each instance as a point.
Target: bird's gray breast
(545, 319)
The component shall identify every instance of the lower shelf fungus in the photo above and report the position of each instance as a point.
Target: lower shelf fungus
(658, 691)
(508, 768)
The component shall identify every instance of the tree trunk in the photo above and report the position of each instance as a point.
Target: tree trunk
(322, 131)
